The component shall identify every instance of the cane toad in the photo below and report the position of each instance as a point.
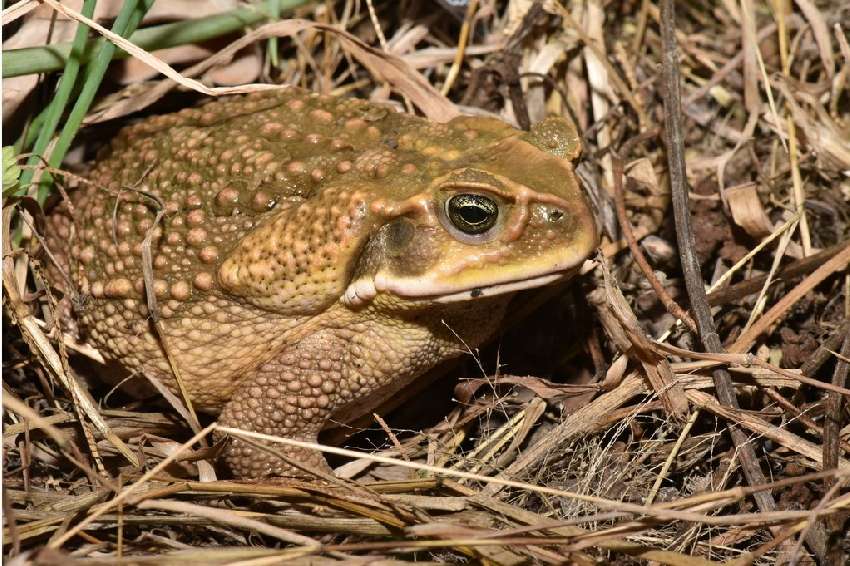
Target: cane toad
(311, 250)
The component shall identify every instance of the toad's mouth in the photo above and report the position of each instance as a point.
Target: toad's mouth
(364, 290)
(502, 288)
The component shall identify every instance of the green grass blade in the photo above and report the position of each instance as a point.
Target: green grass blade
(45, 59)
(273, 7)
(60, 99)
(131, 14)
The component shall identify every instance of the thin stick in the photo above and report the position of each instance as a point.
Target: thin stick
(804, 266)
(832, 416)
(797, 185)
(377, 25)
(824, 351)
(777, 258)
(228, 517)
(462, 42)
(626, 226)
(836, 264)
(674, 140)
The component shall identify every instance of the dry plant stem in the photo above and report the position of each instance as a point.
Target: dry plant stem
(824, 351)
(752, 100)
(462, 42)
(727, 68)
(640, 32)
(30, 420)
(798, 192)
(582, 421)
(383, 424)
(745, 361)
(11, 403)
(761, 300)
(150, 296)
(465, 541)
(674, 142)
(230, 518)
(622, 88)
(781, 537)
(748, 257)
(18, 9)
(564, 528)
(816, 537)
(762, 428)
(40, 344)
(11, 524)
(749, 286)
(377, 25)
(832, 420)
(795, 413)
(626, 226)
(497, 438)
(834, 265)
(52, 308)
(286, 519)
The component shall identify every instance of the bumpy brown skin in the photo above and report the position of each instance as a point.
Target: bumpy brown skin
(305, 260)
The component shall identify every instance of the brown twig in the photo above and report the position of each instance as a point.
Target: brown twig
(462, 42)
(393, 438)
(794, 412)
(800, 267)
(831, 443)
(816, 538)
(11, 525)
(778, 311)
(831, 435)
(626, 226)
(824, 351)
(674, 142)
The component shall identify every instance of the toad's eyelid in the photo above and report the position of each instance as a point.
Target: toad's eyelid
(477, 186)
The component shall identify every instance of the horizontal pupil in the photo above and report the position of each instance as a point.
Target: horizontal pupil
(473, 214)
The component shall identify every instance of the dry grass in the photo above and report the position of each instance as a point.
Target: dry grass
(605, 442)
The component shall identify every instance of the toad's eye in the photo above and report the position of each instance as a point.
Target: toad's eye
(472, 214)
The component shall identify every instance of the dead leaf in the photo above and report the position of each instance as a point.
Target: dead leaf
(245, 68)
(747, 210)
(543, 388)
(622, 325)
(384, 67)
(15, 91)
(132, 71)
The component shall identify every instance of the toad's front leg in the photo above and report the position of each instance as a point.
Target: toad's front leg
(293, 395)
